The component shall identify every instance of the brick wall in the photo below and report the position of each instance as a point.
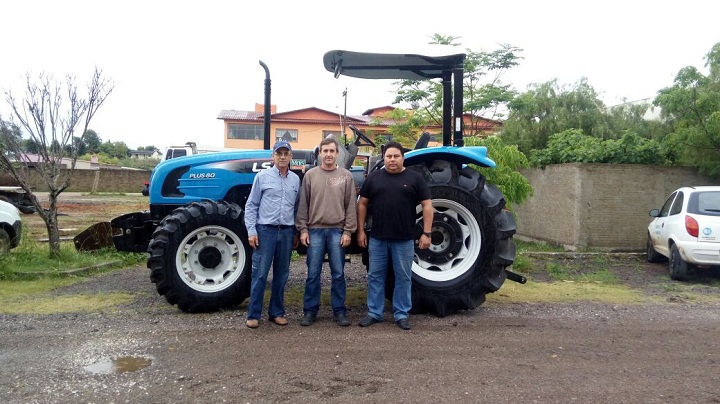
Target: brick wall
(598, 205)
(126, 181)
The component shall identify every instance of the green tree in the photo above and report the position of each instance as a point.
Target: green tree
(550, 108)
(9, 134)
(405, 126)
(514, 186)
(117, 150)
(692, 107)
(573, 146)
(92, 141)
(30, 146)
(484, 94)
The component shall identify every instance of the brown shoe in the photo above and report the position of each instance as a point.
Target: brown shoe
(279, 320)
(251, 323)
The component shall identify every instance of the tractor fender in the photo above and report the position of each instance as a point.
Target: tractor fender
(458, 155)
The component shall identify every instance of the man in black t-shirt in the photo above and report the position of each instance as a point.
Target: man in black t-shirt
(390, 197)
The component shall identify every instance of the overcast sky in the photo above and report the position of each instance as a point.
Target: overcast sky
(177, 64)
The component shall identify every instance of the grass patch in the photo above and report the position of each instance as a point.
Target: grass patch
(33, 297)
(104, 194)
(32, 258)
(12, 289)
(354, 296)
(522, 264)
(34, 304)
(578, 273)
(530, 246)
(568, 292)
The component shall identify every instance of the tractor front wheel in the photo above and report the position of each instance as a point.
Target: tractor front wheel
(200, 258)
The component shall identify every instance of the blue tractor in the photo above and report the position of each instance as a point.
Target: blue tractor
(200, 259)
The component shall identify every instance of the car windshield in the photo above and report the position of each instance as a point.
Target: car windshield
(705, 203)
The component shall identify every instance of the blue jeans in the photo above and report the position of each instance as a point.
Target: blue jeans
(325, 241)
(275, 248)
(381, 253)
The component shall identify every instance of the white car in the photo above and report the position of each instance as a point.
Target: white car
(10, 227)
(686, 231)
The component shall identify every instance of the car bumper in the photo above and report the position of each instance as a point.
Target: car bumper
(700, 253)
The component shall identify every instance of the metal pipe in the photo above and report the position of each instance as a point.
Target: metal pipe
(266, 117)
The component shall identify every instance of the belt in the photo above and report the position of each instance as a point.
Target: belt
(278, 226)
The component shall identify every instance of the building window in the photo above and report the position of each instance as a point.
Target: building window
(327, 133)
(288, 135)
(246, 132)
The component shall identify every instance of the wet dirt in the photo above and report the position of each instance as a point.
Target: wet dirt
(665, 352)
(579, 352)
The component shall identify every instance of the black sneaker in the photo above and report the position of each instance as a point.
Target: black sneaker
(341, 319)
(368, 320)
(403, 323)
(308, 319)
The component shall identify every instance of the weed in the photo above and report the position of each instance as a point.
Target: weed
(32, 258)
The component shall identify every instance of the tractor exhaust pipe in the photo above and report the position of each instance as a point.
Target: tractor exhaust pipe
(515, 277)
(266, 117)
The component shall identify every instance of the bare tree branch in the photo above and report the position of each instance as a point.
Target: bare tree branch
(51, 114)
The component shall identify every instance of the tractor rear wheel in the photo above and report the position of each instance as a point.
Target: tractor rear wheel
(471, 242)
(200, 258)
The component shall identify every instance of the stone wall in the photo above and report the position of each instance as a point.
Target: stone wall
(125, 181)
(598, 205)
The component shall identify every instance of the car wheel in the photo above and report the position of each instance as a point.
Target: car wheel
(652, 255)
(4, 242)
(677, 266)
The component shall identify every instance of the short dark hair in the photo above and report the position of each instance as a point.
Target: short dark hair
(330, 140)
(396, 145)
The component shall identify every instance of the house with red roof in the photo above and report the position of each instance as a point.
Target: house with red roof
(304, 128)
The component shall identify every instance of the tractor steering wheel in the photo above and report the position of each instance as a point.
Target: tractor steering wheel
(360, 138)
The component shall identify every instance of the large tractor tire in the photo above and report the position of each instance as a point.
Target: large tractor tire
(471, 242)
(200, 258)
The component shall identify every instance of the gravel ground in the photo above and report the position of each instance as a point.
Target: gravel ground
(546, 353)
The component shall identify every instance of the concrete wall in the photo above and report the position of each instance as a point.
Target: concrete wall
(125, 181)
(598, 205)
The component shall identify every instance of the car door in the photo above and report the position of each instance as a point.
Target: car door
(659, 226)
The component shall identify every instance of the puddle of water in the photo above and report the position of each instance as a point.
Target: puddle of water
(121, 364)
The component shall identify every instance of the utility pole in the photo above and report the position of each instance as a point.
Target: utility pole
(344, 117)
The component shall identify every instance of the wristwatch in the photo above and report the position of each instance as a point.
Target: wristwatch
(425, 233)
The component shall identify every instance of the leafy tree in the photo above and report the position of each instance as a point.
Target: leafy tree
(549, 108)
(9, 134)
(405, 126)
(632, 148)
(514, 186)
(51, 113)
(118, 150)
(692, 106)
(573, 146)
(484, 95)
(631, 118)
(30, 146)
(93, 141)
